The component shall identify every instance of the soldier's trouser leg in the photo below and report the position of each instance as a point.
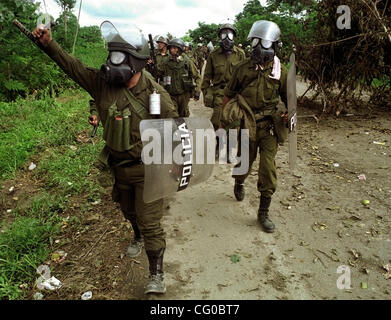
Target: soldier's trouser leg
(252, 154)
(239, 179)
(182, 103)
(126, 199)
(216, 116)
(130, 180)
(267, 177)
(267, 173)
(218, 95)
(148, 215)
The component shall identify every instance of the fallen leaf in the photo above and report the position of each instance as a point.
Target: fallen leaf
(355, 253)
(235, 258)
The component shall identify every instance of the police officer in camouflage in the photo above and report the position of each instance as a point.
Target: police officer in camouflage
(180, 77)
(261, 80)
(121, 90)
(218, 71)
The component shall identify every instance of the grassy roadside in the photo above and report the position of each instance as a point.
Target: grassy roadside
(54, 133)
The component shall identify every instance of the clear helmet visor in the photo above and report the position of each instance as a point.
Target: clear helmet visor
(226, 34)
(117, 57)
(130, 34)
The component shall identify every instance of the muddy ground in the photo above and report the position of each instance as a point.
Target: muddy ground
(216, 249)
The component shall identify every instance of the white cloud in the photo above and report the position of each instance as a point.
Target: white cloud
(153, 16)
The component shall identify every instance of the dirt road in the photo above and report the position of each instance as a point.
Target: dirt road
(215, 248)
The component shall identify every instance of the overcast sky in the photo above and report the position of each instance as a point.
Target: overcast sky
(153, 16)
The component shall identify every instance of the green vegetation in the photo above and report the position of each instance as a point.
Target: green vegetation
(24, 69)
(35, 125)
(289, 16)
(46, 129)
(328, 57)
(43, 114)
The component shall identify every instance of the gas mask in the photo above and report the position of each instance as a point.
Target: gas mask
(227, 40)
(263, 51)
(117, 70)
(120, 67)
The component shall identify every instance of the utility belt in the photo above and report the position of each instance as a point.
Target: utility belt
(263, 119)
(108, 161)
(115, 162)
(264, 115)
(271, 120)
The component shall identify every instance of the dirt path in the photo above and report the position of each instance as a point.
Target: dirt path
(320, 219)
(215, 248)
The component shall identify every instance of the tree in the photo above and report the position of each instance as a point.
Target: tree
(66, 6)
(348, 59)
(22, 68)
(204, 33)
(65, 37)
(290, 16)
(77, 29)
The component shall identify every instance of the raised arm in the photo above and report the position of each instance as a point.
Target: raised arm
(87, 78)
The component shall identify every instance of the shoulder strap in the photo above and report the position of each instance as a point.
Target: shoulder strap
(135, 105)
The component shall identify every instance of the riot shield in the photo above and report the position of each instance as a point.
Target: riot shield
(177, 153)
(292, 114)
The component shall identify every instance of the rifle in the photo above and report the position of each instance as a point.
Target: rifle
(153, 68)
(28, 34)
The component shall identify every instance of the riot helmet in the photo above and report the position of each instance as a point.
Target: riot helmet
(176, 42)
(162, 39)
(128, 53)
(264, 36)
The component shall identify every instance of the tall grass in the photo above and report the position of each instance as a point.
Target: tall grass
(46, 129)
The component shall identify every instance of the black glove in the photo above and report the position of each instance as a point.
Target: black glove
(197, 95)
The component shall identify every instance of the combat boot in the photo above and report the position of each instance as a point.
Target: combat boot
(239, 190)
(156, 280)
(135, 247)
(263, 215)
